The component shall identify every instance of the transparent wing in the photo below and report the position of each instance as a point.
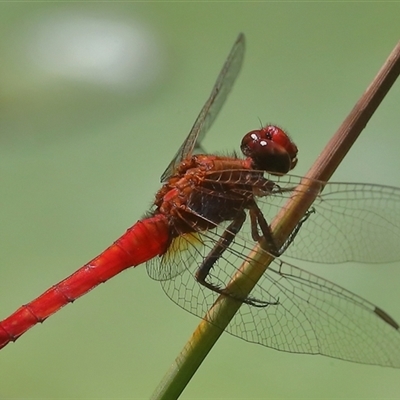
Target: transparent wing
(213, 105)
(307, 314)
(352, 222)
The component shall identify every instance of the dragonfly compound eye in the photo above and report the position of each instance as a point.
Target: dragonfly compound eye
(270, 149)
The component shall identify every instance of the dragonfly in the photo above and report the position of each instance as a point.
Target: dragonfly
(206, 219)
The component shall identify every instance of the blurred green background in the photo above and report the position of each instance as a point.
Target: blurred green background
(95, 98)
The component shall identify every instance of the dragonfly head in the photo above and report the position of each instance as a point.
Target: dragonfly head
(270, 149)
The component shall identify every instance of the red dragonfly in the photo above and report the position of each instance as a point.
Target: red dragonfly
(208, 215)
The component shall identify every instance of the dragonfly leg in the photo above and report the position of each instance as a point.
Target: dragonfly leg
(296, 230)
(257, 219)
(223, 243)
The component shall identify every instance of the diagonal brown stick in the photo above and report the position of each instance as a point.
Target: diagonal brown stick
(223, 310)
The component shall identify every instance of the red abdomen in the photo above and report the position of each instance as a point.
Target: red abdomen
(143, 241)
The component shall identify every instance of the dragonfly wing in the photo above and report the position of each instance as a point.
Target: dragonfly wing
(184, 252)
(315, 316)
(307, 314)
(213, 105)
(352, 222)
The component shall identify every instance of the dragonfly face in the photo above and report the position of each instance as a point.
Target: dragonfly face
(270, 149)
